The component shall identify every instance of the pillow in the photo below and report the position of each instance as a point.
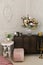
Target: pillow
(4, 61)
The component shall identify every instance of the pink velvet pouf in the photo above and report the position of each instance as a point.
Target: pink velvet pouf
(4, 61)
(18, 54)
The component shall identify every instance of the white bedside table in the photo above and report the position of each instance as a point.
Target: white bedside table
(7, 47)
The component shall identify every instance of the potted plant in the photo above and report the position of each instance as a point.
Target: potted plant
(9, 36)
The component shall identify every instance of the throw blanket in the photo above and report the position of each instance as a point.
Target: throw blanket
(4, 61)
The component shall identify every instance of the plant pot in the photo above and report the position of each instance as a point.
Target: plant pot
(8, 39)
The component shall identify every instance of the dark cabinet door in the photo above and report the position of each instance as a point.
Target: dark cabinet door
(18, 42)
(26, 44)
(33, 44)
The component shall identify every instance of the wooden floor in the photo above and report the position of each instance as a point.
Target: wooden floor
(30, 60)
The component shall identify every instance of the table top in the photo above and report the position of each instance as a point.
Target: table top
(7, 43)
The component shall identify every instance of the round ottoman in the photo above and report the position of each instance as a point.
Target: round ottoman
(18, 54)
